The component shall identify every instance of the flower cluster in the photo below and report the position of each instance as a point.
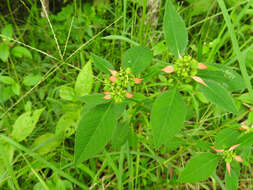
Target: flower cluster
(229, 156)
(185, 69)
(120, 84)
(245, 128)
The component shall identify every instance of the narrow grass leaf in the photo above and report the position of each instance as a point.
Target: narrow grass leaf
(84, 81)
(167, 116)
(175, 32)
(137, 59)
(218, 95)
(199, 168)
(94, 131)
(123, 38)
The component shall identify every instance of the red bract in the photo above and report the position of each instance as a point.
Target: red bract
(237, 158)
(129, 95)
(138, 80)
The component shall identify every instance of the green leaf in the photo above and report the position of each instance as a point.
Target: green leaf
(120, 134)
(123, 38)
(94, 131)
(225, 138)
(84, 81)
(16, 89)
(246, 140)
(167, 116)
(32, 79)
(218, 95)
(46, 143)
(200, 6)
(137, 59)
(19, 52)
(67, 93)
(25, 124)
(7, 31)
(175, 32)
(7, 80)
(67, 124)
(226, 76)
(199, 168)
(232, 180)
(102, 64)
(4, 52)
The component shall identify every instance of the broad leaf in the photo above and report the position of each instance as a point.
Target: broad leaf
(225, 138)
(4, 52)
(226, 76)
(7, 80)
(16, 89)
(167, 116)
(25, 124)
(175, 32)
(46, 143)
(102, 64)
(94, 131)
(67, 124)
(246, 140)
(19, 52)
(8, 32)
(31, 80)
(84, 81)
(137, 59)
(199, 168)
(120, 135)
(67, 93)
(218, 95)
(232, 180)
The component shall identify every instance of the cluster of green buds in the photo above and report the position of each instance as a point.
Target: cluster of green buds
(120, 84)
(229, 155)
(185, 69)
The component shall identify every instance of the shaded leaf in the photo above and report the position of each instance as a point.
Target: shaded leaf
(19, 52)
(167, 116)
(7, 80)
(32, 79)
(175, 32)
(137, 59)
(199, 168)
